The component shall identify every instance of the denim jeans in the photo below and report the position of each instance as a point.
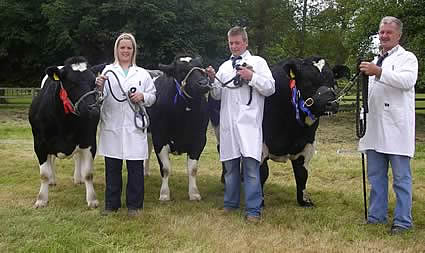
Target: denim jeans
(377, 172)
(252, 186)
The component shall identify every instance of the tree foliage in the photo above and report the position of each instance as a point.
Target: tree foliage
(38, 33)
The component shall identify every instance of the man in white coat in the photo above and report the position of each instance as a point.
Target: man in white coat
(121, 133)
(390, 133)
(241, 117)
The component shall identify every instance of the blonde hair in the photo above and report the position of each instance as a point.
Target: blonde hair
(237, 30)
(126, 36)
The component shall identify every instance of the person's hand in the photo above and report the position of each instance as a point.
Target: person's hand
(210, 72)
(100, 82)
(136, 97)
(245, 72)
(370, 69)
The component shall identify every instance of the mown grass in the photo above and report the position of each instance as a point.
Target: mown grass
(335, 184)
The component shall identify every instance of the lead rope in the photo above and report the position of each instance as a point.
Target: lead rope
(139, 110)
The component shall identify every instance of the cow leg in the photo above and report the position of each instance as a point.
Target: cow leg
(192, 171)
(301, 176)
(52, 179)
(146, 162)
(86, 162)
(77, 169)
(165, 168)
(264, 174)
(46, 177)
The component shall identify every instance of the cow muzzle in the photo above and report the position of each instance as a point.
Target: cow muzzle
(324, 102)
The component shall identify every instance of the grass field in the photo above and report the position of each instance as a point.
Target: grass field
(334, 225)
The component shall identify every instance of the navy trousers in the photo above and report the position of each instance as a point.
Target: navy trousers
(135, 184)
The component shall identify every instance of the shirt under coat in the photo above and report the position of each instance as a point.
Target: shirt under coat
(118, 135)
(241, 124)
(390, 122)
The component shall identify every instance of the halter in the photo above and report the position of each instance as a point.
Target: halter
(184, 81)
(73, 108)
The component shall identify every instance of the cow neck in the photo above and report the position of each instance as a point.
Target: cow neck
(299, 104)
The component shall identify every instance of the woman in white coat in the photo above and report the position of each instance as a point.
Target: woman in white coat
(390, 134)
(122, 135)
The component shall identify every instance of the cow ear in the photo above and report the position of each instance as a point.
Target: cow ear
(197, 61)
(97, 69)
(168, 69)
(54, 73)
(341, 71)
(291, 68)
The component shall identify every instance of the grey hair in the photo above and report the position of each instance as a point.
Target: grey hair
(238, 30)
(390, 19)
(126, 36)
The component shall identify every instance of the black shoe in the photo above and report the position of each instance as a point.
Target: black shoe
(133, 212)
(107, 212)
(395, 230)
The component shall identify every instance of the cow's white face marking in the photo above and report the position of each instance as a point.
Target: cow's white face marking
(186, 59)
(320, 64)
(81, 66)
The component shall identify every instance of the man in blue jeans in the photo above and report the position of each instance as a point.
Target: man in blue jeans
(390, 134)
(241, 116)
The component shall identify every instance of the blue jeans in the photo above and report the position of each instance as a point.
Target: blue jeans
(252, 186)
(377, 172)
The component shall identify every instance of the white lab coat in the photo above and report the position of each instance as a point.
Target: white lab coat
(390, 122)
(241, 124)
(118, 136)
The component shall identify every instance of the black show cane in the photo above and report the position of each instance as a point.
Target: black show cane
(361, 124)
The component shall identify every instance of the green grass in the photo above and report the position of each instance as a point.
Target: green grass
(180, 225)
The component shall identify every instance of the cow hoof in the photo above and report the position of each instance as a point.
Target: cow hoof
(93, 204)
(52, 183)
(78, 181)
(164, 198)
(306, 204)
(40, 203)
(195, 197)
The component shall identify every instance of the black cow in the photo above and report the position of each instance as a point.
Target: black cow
(179, 118)
(304, 92)
(64, 119)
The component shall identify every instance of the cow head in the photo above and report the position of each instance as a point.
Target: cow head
(315, 83)
(189, 74)
(77, 87)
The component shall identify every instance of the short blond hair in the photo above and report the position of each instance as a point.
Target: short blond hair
(126, 36)
(237, 30)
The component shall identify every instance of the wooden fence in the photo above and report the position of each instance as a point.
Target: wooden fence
(25, 95)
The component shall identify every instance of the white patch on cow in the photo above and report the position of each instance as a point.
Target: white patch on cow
(146, 168)
(45, 176)
(185, 59)
(164, 156)
(81, 66)
(192, 170)
(46, 76)
(320, 64)
(307, 152)
(83, 172)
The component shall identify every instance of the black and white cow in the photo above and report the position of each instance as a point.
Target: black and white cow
(64, 119)
(179, 119)
(304, 92)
